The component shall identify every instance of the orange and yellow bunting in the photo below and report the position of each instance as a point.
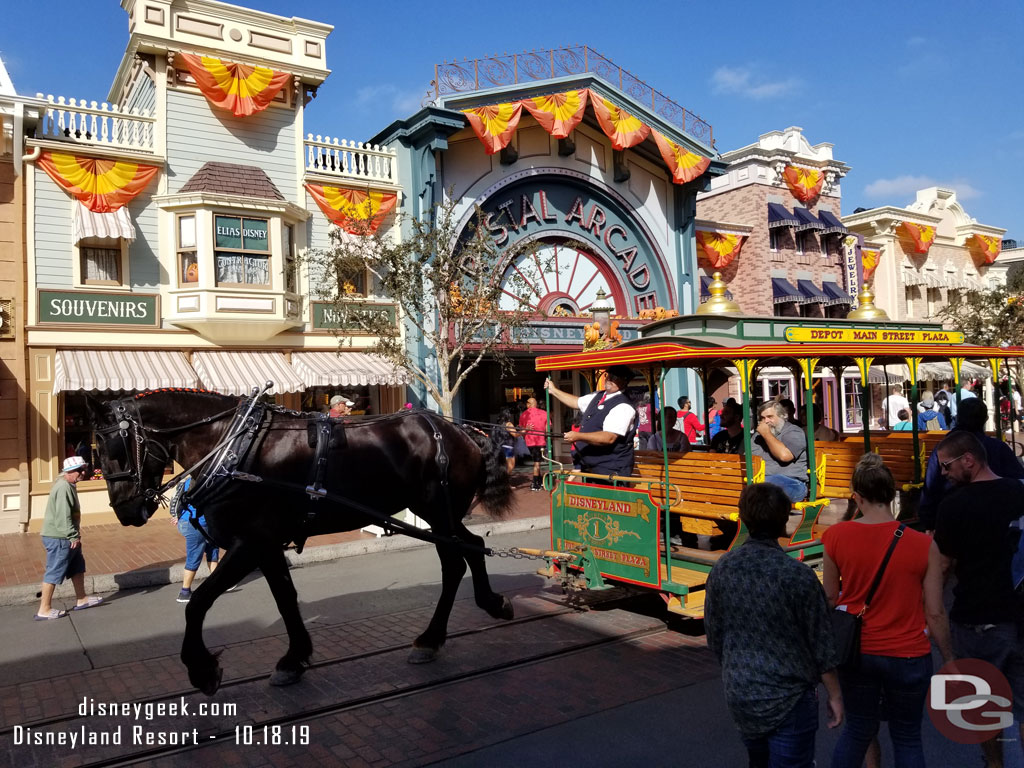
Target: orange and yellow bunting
(804, 183)
(102, 186)
(922, 235)
(684, 165)
(720, 248)
(357, 211)
(625, 130)
(869, 258)
(495, 124)
(988, 247)
(558, 113)
(241, 89)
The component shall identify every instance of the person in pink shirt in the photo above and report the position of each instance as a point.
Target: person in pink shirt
(534, 423)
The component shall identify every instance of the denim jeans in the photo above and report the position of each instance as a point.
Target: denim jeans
(793, 488)
(904, 683)
(791, 745)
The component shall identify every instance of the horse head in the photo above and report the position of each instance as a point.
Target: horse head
(131, 458)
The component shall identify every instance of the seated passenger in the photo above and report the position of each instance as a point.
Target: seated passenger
(676, 441)
(730, 438)
(903, 425)
(821, 432)
(783, 447)
(929, 415)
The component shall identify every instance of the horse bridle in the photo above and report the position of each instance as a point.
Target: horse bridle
(128, 424)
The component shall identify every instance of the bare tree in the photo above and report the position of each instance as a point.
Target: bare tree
(459, 295)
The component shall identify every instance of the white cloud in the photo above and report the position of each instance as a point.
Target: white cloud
(741, 81)
(906, 186)
(388, 97)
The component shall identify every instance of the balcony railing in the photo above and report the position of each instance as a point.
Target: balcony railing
(350, 160)
(496, 71)
(103, 125)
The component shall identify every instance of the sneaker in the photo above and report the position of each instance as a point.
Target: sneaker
(233, 589)
(676, 541)
(185, 595)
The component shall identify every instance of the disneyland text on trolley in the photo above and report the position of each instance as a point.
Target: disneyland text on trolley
(654, 398)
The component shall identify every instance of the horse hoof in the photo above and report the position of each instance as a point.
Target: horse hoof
(423, 655)
(211, 686)
(507, 611)
(282, 677)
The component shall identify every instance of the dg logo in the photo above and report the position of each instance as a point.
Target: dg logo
(969, 701)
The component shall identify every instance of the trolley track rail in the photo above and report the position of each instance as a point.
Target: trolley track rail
(227, 736)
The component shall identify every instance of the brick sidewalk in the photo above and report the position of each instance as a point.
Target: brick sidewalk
(115, 549)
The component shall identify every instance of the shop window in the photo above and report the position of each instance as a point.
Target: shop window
(851, 399)
(241, 251)
(934, 301)
(773, 240)
(291, 278)
(101, 262)
(188, 265)
(778, 388)
(911, 296)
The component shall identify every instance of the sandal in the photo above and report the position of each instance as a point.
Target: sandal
(91, 602)
(55, 613)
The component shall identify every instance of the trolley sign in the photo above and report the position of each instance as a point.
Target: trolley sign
(875, 335)
(618, 526)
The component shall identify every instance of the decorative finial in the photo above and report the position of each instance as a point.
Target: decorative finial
(718, 304)
(866, 309)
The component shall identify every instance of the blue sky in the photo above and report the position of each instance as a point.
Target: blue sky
(911, 94)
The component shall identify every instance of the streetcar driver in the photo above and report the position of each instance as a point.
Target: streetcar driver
(605, 440)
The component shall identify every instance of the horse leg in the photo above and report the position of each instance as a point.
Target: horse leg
(204, 670)
(453, 567)
(291, 666)
(497, 606)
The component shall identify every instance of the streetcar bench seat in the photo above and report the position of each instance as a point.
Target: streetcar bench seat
(704, 488)
(837, 460)
(704, 492)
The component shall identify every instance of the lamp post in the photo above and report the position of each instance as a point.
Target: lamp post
(602, 310)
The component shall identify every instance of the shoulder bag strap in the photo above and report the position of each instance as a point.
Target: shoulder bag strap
(896, 536)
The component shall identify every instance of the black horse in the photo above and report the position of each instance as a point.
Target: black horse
(416, 460)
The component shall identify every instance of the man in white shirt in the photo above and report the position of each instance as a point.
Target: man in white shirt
(892, 405)
(605, 439)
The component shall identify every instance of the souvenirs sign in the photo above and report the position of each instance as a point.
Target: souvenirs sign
(618, 527)
(874, 335)
(87, 308)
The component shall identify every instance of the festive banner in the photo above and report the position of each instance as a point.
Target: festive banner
(685, 165)
(721, 249)
(356, 211)
(869, 258)
(558, 113)
(988, 247)
(495, 124)
(622, 128)
(804, 183)
(241, 89)
(922, 235)
(102, 186)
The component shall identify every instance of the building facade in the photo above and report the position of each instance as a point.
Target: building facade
(923, 256)
(164, 230)
(601, 178)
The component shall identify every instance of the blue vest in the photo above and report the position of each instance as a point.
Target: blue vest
(614, 459)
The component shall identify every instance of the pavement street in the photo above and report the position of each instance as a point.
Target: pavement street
(688, 726)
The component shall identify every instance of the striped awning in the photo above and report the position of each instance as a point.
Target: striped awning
(833, 226)
(779, 216)
(808, 221)
(116, 370)
(236, 373)
(105, 226)
(346, 369)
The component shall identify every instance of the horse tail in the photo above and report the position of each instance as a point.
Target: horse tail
(496, 493)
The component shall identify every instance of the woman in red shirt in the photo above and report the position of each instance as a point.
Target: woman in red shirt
(906, 608)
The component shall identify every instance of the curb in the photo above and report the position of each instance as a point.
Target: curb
(20, 594)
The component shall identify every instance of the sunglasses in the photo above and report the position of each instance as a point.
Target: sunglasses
(947, 464)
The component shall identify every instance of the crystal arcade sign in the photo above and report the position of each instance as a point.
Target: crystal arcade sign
(559, 206)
